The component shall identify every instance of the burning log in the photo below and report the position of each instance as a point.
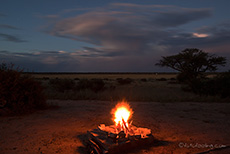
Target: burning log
(95, 148)
(119, 137)
(96, 144)
(106, 140)
(124, 123)
(97, 141)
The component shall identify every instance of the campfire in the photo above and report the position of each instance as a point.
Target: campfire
(122, 113)
(121, 136)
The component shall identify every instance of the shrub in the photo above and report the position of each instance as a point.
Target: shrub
(144, 80)
(83, 84)
(95, 85)
(122, 81)
(62, 85)
(182, 77)
(219, 85)
(19, 93)
(223, 81)
(45, 78)
(162, 79)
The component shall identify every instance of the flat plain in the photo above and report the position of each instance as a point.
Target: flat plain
(181, 121)
(158, 87)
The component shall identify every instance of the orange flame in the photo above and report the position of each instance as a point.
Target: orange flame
(122, 113)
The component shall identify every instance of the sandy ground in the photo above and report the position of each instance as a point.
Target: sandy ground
(181, 127)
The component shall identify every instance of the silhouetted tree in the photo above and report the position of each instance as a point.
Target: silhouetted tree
(192, 63)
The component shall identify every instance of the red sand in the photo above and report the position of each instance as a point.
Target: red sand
(185, 127)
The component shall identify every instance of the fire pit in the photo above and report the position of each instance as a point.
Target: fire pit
(122, 136)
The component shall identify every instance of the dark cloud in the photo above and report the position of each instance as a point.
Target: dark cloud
(50, 17)
(94, 52)
(61, 61)
(11, 38)
(181, 16)
(126, 29)
(133, 37)
(5, 26)
(2, 15)
(41, 60)
(218, 34)
(122, 37)
(4, 51)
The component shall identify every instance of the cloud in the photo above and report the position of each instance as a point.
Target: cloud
(200, 35)
(5, 26)
(219, 33)
(204, 37)
(122, 37)
(50, 16)
(41, 60)
(133, 37)
(11, 38)
(123, 29)
(181, 16)
(2, 15)
(63, 61)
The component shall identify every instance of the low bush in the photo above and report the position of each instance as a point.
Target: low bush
(162, 79)
(62, 85)
(218, 86)
(95, 85)
(122, 81)
(45, 78)
(19, 93)
(144, 80)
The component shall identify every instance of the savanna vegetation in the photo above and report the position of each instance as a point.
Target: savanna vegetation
(160, 87)
(24, 92)
(19, 93)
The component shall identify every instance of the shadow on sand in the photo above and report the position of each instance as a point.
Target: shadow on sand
(85, 148)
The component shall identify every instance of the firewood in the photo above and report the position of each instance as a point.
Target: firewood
(138, 136)
(97, 141)
(131, 137)
(94, 148)
(124, 123)
(108, 139)
(113, 137)
(121, 134)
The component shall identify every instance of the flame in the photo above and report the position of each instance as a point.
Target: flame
(122, 113)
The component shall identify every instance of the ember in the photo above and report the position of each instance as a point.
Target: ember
(120, 136)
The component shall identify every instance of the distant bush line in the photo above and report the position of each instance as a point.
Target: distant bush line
(95, 88)
(62, 85)
(21, 93)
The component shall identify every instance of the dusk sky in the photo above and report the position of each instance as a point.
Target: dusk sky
(109, 36)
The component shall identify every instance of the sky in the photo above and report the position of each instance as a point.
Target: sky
(109, 36)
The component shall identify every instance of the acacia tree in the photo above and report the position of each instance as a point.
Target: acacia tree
(192, 63)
